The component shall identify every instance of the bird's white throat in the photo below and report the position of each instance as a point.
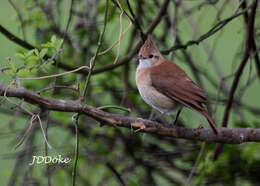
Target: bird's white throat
(145, 63)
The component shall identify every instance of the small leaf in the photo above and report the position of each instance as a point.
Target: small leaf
(29, 53)
(32, 60)
(53, 39)
(23, 72)
(12, 66)
(9, 72)
(20, 56)
(51, 62)
(43, 66)
(47, 45)
(33, 70)
(58, 44)
(36, 51)
(43, 52)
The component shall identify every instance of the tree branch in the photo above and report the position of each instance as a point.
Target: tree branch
(249, 42)
(226, 135)
(120, 62)
(28, 46)
(248, 48)
(136, 22)
(115, 172)
(254, 47)
(211, 32)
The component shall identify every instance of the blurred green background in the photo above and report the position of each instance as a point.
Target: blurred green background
(221, 53)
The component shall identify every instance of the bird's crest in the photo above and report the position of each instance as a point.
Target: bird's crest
(149, 47)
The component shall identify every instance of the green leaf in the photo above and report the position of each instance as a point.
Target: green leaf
(29, 53)
(51, 62)
(12, 66)
(9, 72)
(47, 45)
(43, 52)
(23, 72)
(36, 51)
(53, 39)
(45, 66)
(20, 56)
(58, 44)
(32, 60)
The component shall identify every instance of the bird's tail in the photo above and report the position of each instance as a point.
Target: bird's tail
(211, 122)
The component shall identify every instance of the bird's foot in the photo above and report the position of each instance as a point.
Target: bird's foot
(174, 123)
(156, 119)
(197, 130)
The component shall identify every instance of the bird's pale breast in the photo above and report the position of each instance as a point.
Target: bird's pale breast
(150, 95)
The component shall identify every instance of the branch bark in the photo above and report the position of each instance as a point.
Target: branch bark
(254, 47)
(226, 135)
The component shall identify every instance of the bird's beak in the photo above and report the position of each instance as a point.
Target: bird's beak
(140, 57)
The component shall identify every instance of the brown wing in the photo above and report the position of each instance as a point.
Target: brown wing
(172, 81)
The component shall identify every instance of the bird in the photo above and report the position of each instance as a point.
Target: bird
(165, 86)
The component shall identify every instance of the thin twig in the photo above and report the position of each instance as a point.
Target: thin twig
(43, 133)
(115, 172)
(211, 32)
(54, 57)
(93, 59)
(120, 62)
(26, 132)
(76, 151)
(202, 148)
(28, 46)
(92, 65)
(120, 33)
(254, 47)
(58, 86)
(19, 17)
(109, 48)
(248, 48)
(143, 36)
(56, 75)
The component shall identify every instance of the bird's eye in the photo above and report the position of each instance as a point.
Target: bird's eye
(150, 56)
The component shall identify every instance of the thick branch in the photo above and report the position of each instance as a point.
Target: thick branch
(226, 135)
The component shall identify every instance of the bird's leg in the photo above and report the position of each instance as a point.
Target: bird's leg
(151, 115)
(156, 117)
(176, 118)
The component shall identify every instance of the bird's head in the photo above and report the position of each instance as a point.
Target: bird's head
(149, 54)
